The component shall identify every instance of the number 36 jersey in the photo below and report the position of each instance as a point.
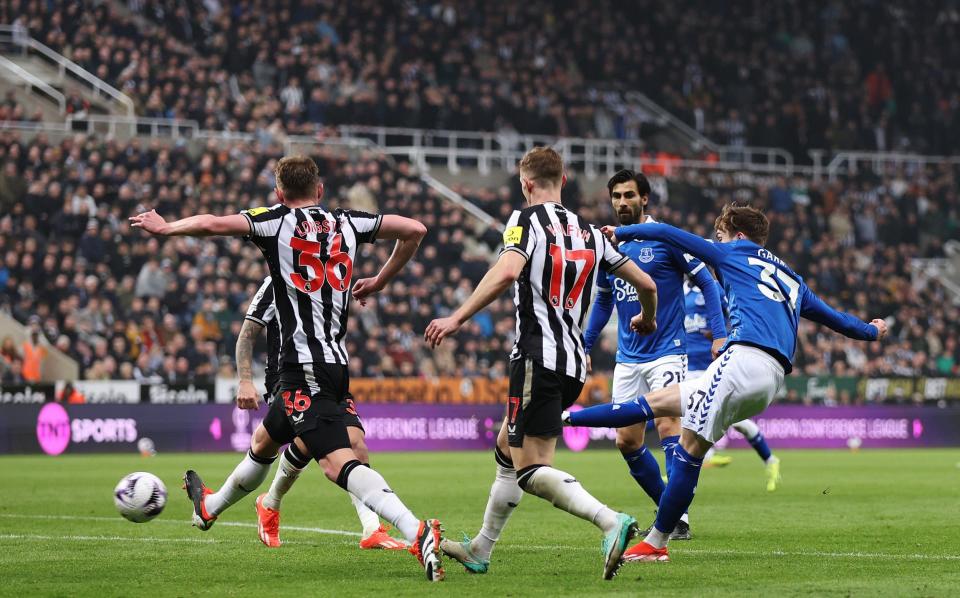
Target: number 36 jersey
(310, 254)
(554, 290)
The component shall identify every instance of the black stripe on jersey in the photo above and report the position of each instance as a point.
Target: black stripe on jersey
(569, 280)
(347, 295)
(326, 291)
(263, 298)
(304, 303)
(556, 326)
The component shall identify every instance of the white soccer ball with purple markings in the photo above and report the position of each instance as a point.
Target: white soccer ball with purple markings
(140, 496)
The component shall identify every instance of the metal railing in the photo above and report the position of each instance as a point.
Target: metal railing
(502, 150)
(850, 163)
(34, 84)
(18, 37)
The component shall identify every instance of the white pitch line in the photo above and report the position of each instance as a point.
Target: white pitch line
(104, 538)
(340, 532)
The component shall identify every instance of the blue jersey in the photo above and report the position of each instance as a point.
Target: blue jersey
(666, 265)
(699, 344)
(765, 297)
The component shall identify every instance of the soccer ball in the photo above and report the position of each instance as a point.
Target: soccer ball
(140, 496)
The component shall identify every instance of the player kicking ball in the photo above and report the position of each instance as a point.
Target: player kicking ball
(262, 313)
(700, 340)
(310, 253)
(766, 301)
(650, 362)
(551, 257)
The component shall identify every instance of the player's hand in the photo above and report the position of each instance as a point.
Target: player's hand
(440, 329)
(366, 287)
(149, 221)
(716, 346)
(608, 232)
(641, 325)
(881, 327)
(247, 395)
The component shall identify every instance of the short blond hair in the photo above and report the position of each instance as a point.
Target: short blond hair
(297, 176)
(542, 165)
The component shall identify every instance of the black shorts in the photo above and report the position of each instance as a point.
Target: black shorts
(314, 403)
(350, 416)
(537, 398)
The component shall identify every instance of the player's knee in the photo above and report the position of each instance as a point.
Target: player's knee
(629, 442)
(668, 426)
(262, 445)
(525, 475)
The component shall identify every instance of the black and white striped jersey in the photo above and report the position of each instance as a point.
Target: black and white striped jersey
(263, 311)
(310, 254)
(554, 289)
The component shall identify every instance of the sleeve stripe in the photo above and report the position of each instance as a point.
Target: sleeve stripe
(518, 250)
(604, 289)
(249, 221)
(618, 265)
(376, 228)
(255, 319)
(698, 268)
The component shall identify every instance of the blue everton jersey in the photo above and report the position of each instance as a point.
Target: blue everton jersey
(695, 323)
(666, 265)
(766, 298)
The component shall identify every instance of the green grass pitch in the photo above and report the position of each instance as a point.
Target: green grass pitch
(862, 524)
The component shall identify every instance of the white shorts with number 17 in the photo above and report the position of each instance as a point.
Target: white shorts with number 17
(736, 386)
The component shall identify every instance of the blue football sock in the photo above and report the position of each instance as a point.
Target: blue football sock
(645, 470)
(679, 491)
(613, 415)
(669, 444)
(759, 444)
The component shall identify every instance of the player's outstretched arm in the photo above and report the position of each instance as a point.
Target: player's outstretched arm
(247, 395)
(408, 234)
(646, 321)
(816, 309)
(503, 274)
(203, 225)
(712, 253)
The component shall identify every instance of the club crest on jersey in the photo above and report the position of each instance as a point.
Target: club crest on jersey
(646, 255)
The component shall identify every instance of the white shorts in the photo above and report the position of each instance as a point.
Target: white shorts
(630, 380)
(738, 385)
(694, 374)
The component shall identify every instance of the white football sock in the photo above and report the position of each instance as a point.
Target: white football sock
(747, 428)
(566, 493)
(656, 538)
(505, 495)
(246, 477)
(287, 474)
(370, 487)
(368, 519)
(685, 518)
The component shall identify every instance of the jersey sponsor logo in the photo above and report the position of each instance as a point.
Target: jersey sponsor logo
(512, 235)
(694, 323)
(625, 291)
(646, 255)
(257, 211)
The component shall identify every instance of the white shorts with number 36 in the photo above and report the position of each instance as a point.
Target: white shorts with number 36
(737, 385)
(630, 380)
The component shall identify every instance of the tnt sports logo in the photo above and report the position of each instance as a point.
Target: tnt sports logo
(576, 438)
(53, 429)
(646, 255)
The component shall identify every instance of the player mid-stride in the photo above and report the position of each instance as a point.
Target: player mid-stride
(551, 257)
(310, 253)
(699, 340)
(766, 301)
(647, 363)
(262, 313)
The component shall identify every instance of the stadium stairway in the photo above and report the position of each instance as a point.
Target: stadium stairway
(25, 62)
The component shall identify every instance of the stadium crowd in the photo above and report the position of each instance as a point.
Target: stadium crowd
(799, 75)
(129, 306)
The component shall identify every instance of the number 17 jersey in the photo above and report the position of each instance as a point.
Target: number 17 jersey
(555, 287)
(310, 254)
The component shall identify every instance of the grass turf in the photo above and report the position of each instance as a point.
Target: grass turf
(864, 524)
